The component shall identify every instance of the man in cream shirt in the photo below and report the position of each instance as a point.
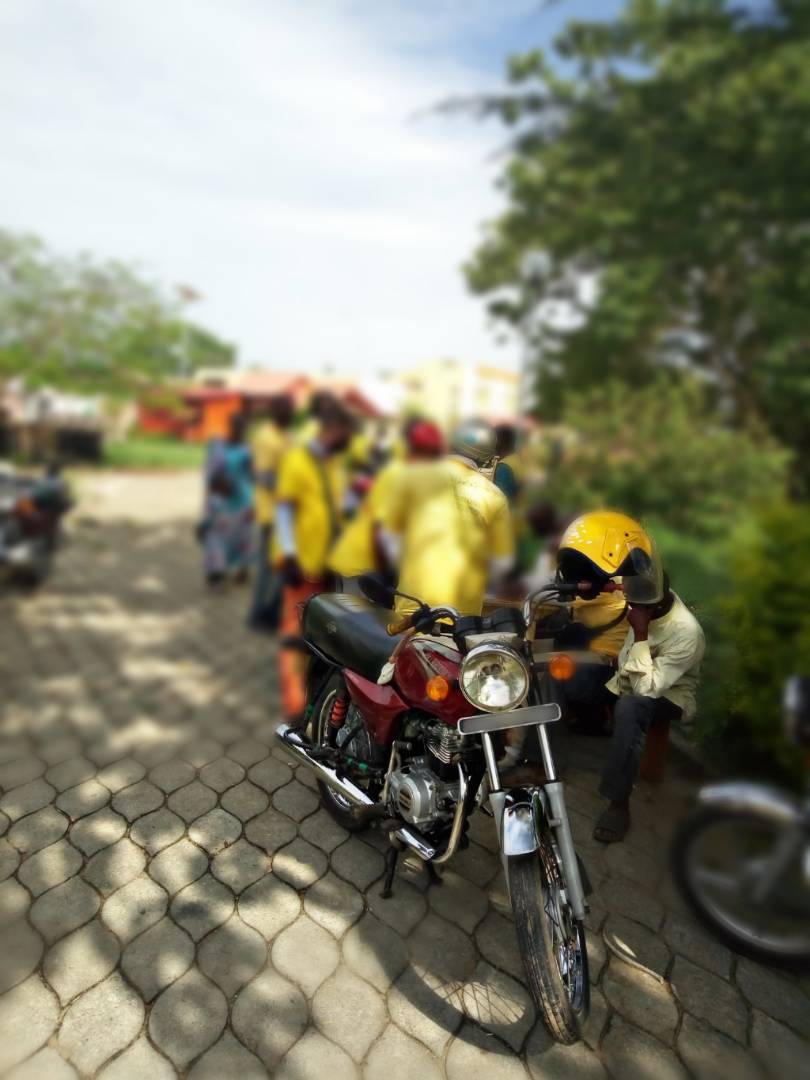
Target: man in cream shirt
(656, 679)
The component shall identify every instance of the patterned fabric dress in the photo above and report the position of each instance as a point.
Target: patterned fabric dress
(228, 542)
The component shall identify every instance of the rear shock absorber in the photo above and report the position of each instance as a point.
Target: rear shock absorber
(337, 715)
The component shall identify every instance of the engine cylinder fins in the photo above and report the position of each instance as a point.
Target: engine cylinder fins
(447, 747)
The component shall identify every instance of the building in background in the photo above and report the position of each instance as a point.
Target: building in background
(448, 390)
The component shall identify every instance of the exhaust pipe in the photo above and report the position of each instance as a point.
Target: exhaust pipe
(299, 749)
(292, 742)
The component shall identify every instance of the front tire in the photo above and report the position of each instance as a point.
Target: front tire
(552, 944)
(708, 846)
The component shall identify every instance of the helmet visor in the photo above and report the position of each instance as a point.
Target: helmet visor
(643, 577)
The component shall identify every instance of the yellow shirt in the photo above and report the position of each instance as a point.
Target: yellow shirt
(452, 522)
(354, 552)
(267, 445)
(304, 481)
(601, 610)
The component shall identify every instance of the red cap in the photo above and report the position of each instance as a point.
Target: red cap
(425, 438)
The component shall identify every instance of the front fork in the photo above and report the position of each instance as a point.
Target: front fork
(520, 822)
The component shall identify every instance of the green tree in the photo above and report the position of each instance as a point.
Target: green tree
(92, 326)
(660, 168)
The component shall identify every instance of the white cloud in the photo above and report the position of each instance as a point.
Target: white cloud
(277, 155)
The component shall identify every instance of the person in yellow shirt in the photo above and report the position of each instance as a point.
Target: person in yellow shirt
(358, 550)
(309, 500)
(449, 526)
(268, 443)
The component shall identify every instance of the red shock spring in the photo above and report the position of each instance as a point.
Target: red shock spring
(339, 707)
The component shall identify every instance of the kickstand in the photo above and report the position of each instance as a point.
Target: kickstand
(391, 857)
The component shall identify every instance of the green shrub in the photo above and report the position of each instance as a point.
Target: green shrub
(660, 452)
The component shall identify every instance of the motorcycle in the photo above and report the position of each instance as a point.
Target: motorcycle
(403, 727)
(31, 510)
(742, 858)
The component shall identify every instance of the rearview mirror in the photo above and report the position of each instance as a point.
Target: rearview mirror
(376, 590)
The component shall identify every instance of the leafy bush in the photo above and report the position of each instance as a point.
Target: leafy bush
(660, 452)
(766, 623)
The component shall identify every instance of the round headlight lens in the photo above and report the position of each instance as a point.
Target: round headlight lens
(494, 678)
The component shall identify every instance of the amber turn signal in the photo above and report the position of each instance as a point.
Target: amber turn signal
(561, 667)
(437, 688)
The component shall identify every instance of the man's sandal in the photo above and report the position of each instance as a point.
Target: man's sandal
(612, 826)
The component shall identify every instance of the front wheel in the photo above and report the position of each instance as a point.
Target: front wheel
(551, 942)
(747, 878)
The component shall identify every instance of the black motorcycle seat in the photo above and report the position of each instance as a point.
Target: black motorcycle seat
(350, 630)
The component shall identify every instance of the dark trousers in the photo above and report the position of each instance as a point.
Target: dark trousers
(266, 607)
(633, 715)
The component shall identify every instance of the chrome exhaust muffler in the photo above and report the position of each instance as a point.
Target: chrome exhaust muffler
(299, 749)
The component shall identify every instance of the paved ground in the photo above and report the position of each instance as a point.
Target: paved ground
(174, 902)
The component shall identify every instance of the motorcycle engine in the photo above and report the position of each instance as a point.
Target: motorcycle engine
(419, 796)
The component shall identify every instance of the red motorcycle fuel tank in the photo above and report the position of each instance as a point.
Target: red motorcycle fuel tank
(422, 659)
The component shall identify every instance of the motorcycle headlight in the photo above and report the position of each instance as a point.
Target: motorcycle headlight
(494, 678)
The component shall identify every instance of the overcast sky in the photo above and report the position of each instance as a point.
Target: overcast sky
(275, 154)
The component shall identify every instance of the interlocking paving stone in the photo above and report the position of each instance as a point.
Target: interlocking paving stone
(269, 995)
(271, 830)
(323, 831)
(350, 1012)
(439, 948)
(100, 1023)
(397, 1054)
(87, 797)
(497, 942)
(228, 1058)
(295, 800)
(38, 830)
(357, 863)
(134, 908)
(9, 859)
(459, 901)
(686, 938)
(14, 902)
(203, 905)
(629, 1051)
(248, 752)
(20, 949)
(707, 1054)
(306, 954)
(307, 1056)
(245, 801)
(28, 1015)
(215, 830)
(46, 1064)
(138, 799)
(80, 960)
(172, 775)
(222, 774)
(474, 1053)
(98, 831)
(4, 823)
(113, 867)
(64, 908)
(157, 958)
(232, 955)
(775, 994)
(270, 774)
(49, 867)
(201, 752)
(781, 1051)
(121, 774)
(704, 994)
(499, 1004)
(636, 944)
(26, 799)
(20, 771)
(374, 952)
(240, 865)
(299, 864)
(548, 1060)
(137, 1061)
(333, 904)
(68, 774)
(192, 801)
(188, 1017)
(178, 865)
(641, 998)
(157, 830)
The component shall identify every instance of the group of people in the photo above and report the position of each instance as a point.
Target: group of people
(315, 508)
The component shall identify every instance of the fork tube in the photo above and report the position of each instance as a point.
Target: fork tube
(492, 765)
(545, 750)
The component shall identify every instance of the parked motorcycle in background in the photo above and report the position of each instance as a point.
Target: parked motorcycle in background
(31, 511)
(742, 857)
(403, 731)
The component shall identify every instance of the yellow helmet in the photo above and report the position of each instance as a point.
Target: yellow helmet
(602, 545)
